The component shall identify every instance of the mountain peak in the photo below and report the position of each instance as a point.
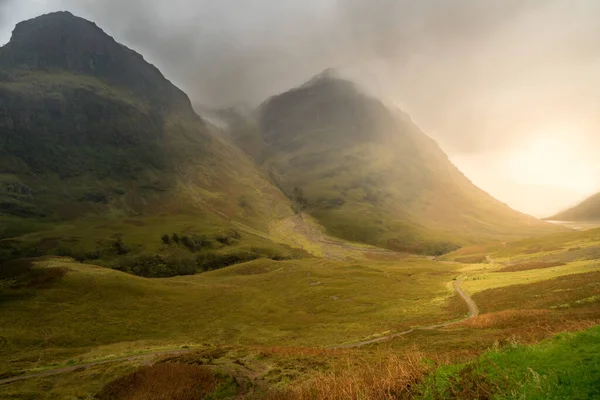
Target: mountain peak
(329, 74)
(327, 103)
(61, 41)
(331, 79)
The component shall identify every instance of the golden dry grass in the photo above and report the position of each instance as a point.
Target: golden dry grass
(530, 326)
(169, 381)
(390, 377)
(530, 265)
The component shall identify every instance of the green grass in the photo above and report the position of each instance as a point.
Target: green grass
(478, 282)
(528, 261)
(565, 367)
(302, 302)
(532, 249)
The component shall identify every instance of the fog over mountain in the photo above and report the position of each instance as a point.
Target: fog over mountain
(509, 88)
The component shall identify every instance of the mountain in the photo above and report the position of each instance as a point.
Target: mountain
(104, 160)
(368, 173)
(588, 210)
(88, 126)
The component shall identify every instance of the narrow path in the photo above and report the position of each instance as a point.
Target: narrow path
(473, 312)
(72, 368)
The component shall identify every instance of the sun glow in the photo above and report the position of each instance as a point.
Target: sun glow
(549, 171)
(552, 157)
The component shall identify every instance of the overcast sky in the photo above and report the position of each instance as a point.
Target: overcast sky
(509, 88)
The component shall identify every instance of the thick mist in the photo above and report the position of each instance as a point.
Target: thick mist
(510, 88)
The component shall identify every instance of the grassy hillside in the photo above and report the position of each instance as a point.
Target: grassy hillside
(588, 210)
(368, 174)
(56, 310)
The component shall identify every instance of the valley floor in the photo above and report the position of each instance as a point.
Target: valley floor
(378, 326)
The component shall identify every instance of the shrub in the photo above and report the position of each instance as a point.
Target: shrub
(160, 266)
(202, 242)
(187, 242)
(424, 248)
(229, 238)
(196, 242)
(78, 255)
(112, 247)
(166, 239)
(224, 240)
(213, 261)
(476, 259)
(14, 249)
(119, 246)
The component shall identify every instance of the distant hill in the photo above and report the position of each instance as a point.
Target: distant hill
(89, 127)
(588, 210)
(368, 173)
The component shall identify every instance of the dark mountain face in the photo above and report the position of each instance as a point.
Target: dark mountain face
(87, 125)
(367, 173)
(72, 99)
(63, 42)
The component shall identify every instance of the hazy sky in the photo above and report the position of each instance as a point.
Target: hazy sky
(509, 88)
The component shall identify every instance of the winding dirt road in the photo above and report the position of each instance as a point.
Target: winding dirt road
(473, 312)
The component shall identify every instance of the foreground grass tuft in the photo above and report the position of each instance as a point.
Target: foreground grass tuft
(391, 377)
(565, 367)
